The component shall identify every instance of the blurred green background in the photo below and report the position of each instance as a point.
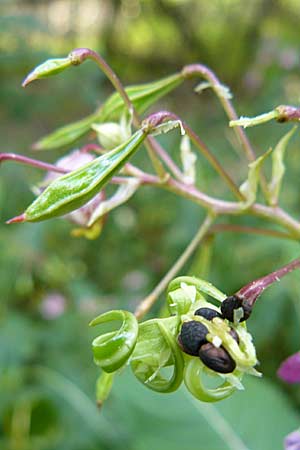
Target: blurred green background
(51, 284)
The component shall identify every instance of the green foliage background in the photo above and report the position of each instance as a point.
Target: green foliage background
(47, 374)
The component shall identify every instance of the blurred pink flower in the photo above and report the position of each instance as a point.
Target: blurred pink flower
(53, 305)
(292, 441)
(289, 369)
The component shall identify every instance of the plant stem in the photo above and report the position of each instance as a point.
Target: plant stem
(208, 74)
(199, 69)
(81, 54)
(254, 289)
(271, 213)
(30, 162)
(149, 301)
(161, 116)
(232, 228)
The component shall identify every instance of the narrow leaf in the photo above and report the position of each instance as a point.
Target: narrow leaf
(69, 133)
(278, 167)
(142, 96)
(249, 187)
(71, 191)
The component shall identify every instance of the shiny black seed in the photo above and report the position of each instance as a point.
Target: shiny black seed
(192, 336)
(207, 313)
(230, 304)
(217, 359)
(234, 335)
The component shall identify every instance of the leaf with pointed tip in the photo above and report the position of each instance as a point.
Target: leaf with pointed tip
(71, 191)
(68, 134)
(142, 96)
(278, 167)
(249, 187)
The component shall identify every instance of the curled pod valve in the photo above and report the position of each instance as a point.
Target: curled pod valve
(112, 350)
(157, 349)
(193, 375)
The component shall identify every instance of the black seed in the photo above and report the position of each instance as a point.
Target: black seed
(207, 313)
(217, 359)
(234, 335)
(230, 304)
(192, 336)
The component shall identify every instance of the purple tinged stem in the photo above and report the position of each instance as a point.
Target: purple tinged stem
(30, 162)
(157, 118)
(253, 290)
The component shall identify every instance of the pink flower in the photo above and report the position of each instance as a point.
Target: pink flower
(292, 441)
(53, 306)
(289, 370)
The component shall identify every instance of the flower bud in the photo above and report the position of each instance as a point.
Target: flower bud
(110, 135)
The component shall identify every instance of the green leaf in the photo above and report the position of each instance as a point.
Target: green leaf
(278, 167)
(69, 192)
(47, 69)
(142, 97)
(249, 187)
(68, 134)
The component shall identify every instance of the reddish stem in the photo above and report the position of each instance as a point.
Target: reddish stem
(253, 290)
(30, 162)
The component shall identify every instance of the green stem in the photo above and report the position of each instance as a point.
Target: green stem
(149, 301)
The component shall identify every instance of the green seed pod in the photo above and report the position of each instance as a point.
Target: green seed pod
(71, 191)
(112, 350)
